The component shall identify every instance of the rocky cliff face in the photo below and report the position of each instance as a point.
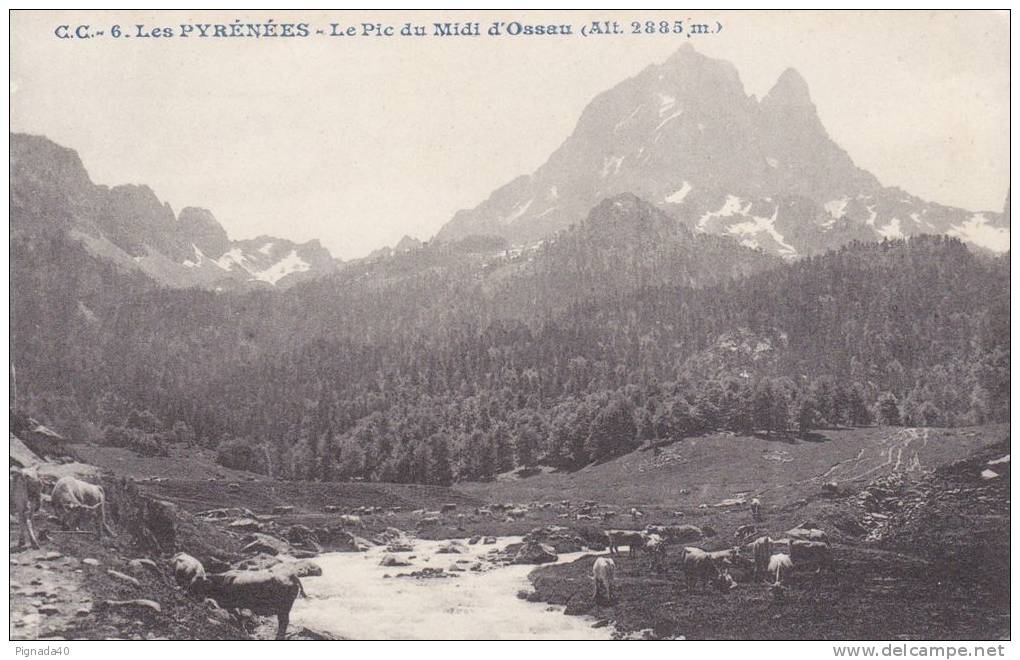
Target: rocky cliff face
(52, 193)
(687, 137)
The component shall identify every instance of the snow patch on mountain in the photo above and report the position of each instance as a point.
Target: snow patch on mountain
(518, 211)
(836, 207)
(292, 263)
(666, 102)
(730, 207)
(668, 119)
(978, 231)
(611, 165)
(627, 118)
(198, 258)
(761, 225)
(891, 230)
(265, 249)
(678, 196)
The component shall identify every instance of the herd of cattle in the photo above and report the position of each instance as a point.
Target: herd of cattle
(268, 592)
(76, 502)
(72, 499)
(804, 546)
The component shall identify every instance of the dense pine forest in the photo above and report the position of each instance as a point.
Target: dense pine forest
(463, 360)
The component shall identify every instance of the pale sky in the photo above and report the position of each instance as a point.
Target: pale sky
(358, 141)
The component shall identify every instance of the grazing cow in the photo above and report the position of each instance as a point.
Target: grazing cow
(727, 556)
(755, 509)
(73, 498)
(698, 567)
(655, 546)
(263, 592)
(354, 521)
(812, 553)
(26, 500)
(761, 550)
(633, 540)
(779, 565)
(186, 569)
(674, 534)
(602, 573)
(635, 514)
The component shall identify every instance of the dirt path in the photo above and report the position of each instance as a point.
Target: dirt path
(46, 593)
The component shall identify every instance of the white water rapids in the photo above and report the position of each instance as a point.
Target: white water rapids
(352, 599)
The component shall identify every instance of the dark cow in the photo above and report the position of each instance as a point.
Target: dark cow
(73, 499)
(761, 550)
(263, 592)
(674, 534)
(812, 553)
(635, 541)
(26, 500)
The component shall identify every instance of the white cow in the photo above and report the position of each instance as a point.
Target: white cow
(602, 573)
(73, 498)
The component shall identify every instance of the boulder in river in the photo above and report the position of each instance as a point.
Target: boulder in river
(452, 548)
(264, 543)
(534, 553)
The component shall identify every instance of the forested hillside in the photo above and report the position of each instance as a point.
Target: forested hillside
(462, 360)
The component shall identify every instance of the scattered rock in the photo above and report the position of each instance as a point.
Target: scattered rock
(535, 553)
(264, 543)
(245, 525)
(427, 573)
(393, 561)
(138, 602)
(89, 561)
(143, 564)
(123, 577)
(452, 548)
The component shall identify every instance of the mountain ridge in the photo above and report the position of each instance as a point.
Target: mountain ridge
(686, 136)
(51, 191)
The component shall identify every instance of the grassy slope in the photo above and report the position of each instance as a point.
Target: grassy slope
(715, 467)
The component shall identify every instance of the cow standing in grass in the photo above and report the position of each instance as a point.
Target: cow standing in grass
(761, 550)
(263, 592)
(603, 572)
(73, 498)
(812, 553)
(635, 541)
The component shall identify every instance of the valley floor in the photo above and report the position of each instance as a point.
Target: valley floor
(928, 558)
